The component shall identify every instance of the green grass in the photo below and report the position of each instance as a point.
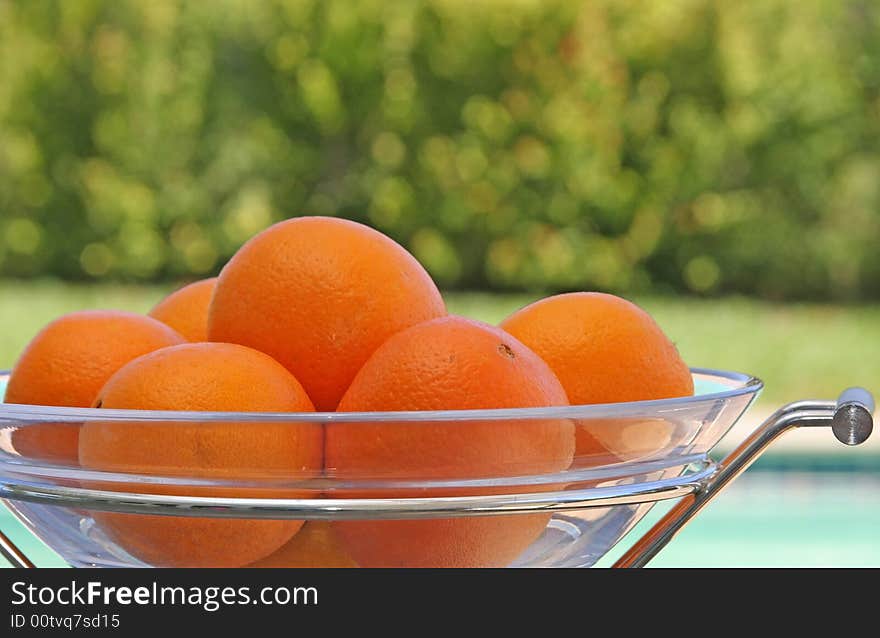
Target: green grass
(799, 350)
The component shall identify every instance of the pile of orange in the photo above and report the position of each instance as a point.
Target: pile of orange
(323, 314)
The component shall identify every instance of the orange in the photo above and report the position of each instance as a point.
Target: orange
(67, 363)
(186, 309)
(606, 440)
(53, 442)
(448, 363)
(315, 545)
(603, 349)
(202, 376)
(320, 295)
(69, 360)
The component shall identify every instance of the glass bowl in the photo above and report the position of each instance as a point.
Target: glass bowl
(536, 487)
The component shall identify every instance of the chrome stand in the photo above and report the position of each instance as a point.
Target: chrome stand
(12, 554)
(849, 419)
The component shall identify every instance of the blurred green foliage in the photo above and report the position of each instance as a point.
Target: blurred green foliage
(697, 145)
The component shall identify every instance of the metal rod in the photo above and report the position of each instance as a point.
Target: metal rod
(363, 508)
(12, 554)
(850, 420)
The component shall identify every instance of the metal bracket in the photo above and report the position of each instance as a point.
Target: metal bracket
(850, 419)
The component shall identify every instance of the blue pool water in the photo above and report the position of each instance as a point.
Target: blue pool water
(780, 518)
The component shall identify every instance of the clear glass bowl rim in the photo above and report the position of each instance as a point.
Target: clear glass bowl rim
(745, 384)
(35, 481)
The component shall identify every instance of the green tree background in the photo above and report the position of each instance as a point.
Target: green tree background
(632, 146)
